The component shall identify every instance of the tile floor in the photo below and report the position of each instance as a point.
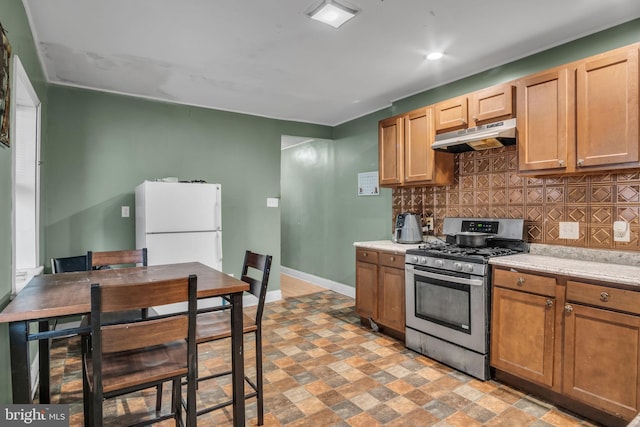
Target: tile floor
(323, 369)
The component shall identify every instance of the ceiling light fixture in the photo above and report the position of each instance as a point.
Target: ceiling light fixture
(332, 13)
(434, 56)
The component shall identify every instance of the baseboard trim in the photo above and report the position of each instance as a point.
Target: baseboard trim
(320, 281)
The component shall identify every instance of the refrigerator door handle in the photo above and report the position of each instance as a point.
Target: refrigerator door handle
(219, 243)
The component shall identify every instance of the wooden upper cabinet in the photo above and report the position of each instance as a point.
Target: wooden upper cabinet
(405, 153)
(494, 103)
(480, 107)
(419, 135)
(582, 117)
(391, 150)
(451, 114)
(607, 109)
(544, 121)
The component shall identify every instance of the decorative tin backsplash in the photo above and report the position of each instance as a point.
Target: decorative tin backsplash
(487, 186)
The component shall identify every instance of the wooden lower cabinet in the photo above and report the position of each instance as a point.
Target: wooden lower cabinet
(523, 330)
(601, 359)
(380, 293)
(577, 346)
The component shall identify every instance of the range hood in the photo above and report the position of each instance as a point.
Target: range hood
(492, 135)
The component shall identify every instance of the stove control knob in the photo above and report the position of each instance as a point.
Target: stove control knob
(423, 260)
(468, 268)
(414, 259)
(457, 266)
(439, 263)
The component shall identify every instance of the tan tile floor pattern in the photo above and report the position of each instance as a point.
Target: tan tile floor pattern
(322, 368)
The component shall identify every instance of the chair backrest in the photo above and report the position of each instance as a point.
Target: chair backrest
(113, 258)
(68, 264)
(255, 272)
(135, 334)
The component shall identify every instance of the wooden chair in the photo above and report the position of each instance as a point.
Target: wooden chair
(68, 264)
(124, 258)
(134, 355)
(216, 325)
(116, 258)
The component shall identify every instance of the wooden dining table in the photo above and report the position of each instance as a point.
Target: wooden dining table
(52, 297)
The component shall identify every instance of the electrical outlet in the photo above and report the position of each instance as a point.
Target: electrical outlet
(124, 211)
(569, 230)
(621, 232)
(428, 222)
(272, 202)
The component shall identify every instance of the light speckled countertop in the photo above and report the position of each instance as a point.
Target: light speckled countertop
(617, 267)
(390, 246)
(622, 267)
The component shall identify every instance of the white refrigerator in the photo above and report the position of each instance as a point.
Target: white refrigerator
(179, 222)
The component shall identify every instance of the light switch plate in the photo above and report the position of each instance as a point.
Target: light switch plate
(124, 211)
(569, 230)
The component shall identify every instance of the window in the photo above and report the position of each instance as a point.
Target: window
(26, 178)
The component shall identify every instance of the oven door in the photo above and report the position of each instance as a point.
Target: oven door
(450, 306)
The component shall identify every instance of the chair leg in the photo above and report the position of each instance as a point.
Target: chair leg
(259, 382)
(158, 397)
(176, 401)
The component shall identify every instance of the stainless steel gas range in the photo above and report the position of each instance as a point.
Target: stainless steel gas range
(448, 292)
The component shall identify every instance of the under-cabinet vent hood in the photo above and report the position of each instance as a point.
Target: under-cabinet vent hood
(492, 135)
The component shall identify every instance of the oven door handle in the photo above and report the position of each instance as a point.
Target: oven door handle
(461, 280)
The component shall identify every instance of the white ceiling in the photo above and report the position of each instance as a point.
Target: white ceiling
(267, 58)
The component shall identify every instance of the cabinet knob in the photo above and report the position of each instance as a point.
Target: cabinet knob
(393, 258)
(604, 296)
(580, 162)
(464, 122)
(549, 303)
(364, 254)
(475, 119)
(568, 309)
(561, 162)
(520, 281)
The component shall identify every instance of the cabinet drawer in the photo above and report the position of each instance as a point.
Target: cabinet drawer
(604, 296)
(392, 260)
(525, 282)
(367, 255)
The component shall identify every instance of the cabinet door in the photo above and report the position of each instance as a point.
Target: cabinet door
(601, 359)
(522, 335)
(391, 150)
(391, 293)
(418, 137)
(491, 104)
(607, 109)
(367, 289)
(544, 121)
(451, 114)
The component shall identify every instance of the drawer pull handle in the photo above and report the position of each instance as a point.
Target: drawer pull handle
(568, 309)
(604, 296)
(520, 281)
(549, 303)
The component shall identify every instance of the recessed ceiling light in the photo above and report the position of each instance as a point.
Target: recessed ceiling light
(434, 55)
(332, 13)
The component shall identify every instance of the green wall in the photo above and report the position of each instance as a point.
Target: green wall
(14, 21)
(101, 146)
(330, 253)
